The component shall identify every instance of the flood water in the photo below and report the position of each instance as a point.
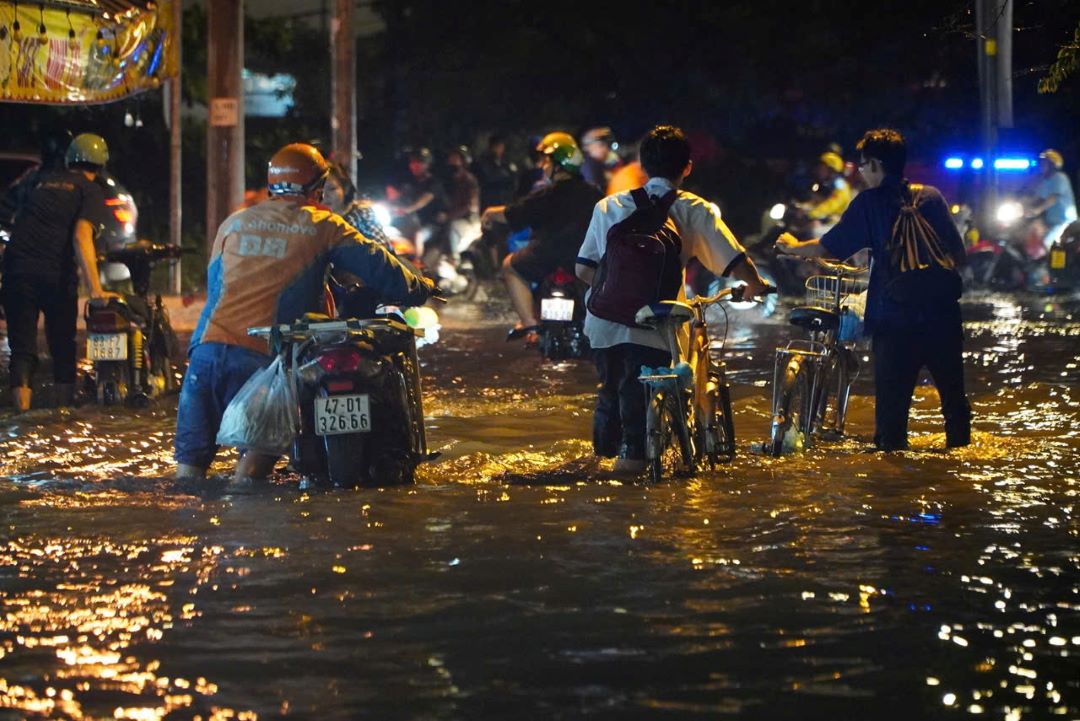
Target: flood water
(517, 580)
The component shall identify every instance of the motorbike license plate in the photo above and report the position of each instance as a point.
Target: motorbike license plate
(557, 309)
(342, 414)
(1057, 259)
(107, 346)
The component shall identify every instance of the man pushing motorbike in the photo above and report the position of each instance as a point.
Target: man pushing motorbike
(52, 244)
(268, 265)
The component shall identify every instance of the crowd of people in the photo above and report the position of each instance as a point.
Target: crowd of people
(269, 260)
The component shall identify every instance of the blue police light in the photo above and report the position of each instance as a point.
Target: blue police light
(976, 164)
(1012, 164)
(954, 163)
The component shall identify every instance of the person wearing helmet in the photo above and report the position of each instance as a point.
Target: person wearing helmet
(558, 214)
(462, 201)
(418, 200)
(833, 193)
(1055, 204)
(54, 145)
(51, 242)
(601, 161)
(267, 266)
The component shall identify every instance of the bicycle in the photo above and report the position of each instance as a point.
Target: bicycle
(808, 372)
(688, 420)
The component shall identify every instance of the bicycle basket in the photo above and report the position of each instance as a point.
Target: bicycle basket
(821, 289)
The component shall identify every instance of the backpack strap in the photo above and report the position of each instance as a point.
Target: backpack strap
(668, 199)
(641, 198)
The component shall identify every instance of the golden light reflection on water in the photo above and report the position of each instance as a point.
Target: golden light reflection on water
(75, 600)
(807, 566)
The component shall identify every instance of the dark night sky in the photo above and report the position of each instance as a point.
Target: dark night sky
(750, 80)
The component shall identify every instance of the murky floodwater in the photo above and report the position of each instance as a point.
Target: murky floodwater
(514, 581)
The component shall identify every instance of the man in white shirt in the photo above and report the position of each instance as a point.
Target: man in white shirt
(621, 350)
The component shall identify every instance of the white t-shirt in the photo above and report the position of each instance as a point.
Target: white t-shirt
(704, 236)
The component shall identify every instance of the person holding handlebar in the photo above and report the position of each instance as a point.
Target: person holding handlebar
(267, 266)
(907, 333)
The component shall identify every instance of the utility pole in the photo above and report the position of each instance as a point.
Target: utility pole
(225, 136)
(993, 20)
(343, 85)
(175, 135)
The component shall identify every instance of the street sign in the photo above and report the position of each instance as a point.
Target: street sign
(224, 112)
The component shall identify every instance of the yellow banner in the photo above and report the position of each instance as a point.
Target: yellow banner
(73, 58)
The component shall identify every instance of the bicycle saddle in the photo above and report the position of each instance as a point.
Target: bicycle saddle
(814, 318)
(651, 315)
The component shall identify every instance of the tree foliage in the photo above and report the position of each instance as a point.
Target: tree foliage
(1067, 63)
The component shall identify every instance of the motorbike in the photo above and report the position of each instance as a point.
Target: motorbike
(1065, 260)
(560, 300)
(130, 341)
(789, 279)
(361, 418)
(1010, 257)
(437, 259)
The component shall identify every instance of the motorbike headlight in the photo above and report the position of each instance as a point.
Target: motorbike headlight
(382, 214)
(1009, 212)
(777, 211)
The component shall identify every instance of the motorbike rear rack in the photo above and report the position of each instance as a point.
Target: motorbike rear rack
(308, 329)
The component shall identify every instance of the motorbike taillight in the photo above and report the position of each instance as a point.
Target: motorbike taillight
(339, 360)
(562, 276)
(103, 320)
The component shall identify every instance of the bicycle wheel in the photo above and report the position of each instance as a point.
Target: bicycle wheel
(715, 439)
(667, 440)
(792, 413)
(847, 369)
(726, 425)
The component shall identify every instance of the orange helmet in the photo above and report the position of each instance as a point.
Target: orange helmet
(296, 169)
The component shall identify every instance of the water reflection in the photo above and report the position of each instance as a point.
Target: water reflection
(518, 574)
(81, 616)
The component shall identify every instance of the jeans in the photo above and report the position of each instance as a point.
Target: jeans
(899, 355)
(24, 298)
(619, 420)
(215, 374)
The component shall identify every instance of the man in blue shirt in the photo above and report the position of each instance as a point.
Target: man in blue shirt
(1056, 204)
(906, 336)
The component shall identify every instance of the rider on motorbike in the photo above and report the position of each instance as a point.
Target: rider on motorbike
(462, 202)
(267, 266)
(341, 196)
(352, 298)
(418, 200)
(833, 192)
(558, 214)
(601, 160)
(1055, 204)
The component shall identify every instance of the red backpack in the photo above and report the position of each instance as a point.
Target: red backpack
(642, 263)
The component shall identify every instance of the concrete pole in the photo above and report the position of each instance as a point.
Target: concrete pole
(175, 135)
(993, 21)
(343, 85)
(225, 135)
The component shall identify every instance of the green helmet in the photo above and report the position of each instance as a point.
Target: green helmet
(89, 149)
(563, 151)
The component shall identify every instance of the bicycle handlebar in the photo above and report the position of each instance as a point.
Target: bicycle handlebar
(735, 294)
(834, 266)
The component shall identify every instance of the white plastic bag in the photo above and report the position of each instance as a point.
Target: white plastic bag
(262, 415)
